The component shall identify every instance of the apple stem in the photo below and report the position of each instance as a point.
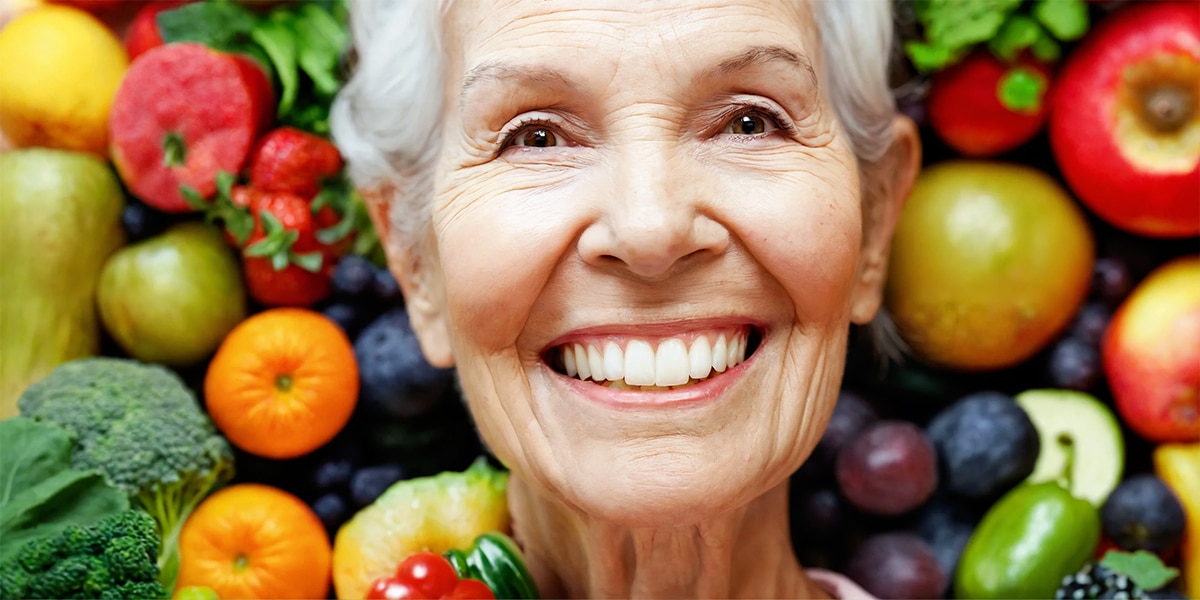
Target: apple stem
(1167, 108)
(1068, 448)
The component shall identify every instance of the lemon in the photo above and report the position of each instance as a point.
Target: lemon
(59, 71)
(989, 263)
(431, 514)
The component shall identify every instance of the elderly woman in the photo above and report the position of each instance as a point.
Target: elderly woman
(640, 231)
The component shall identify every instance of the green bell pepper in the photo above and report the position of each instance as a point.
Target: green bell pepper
(495, 559)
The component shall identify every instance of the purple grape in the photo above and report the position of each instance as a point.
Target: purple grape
(852, 414)
(888, 469)
(897, 565)
(1112, 280)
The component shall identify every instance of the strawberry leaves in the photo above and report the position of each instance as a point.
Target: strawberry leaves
(278, 245)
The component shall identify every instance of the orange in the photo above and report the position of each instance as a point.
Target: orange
(283, 383)
(989, 263)
(435, 514)
(255, 541)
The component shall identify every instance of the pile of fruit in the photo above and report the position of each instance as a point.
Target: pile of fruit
(198, 325)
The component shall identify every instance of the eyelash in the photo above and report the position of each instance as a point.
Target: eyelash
(510, 135)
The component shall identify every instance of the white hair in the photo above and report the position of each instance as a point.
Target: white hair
(386, 119)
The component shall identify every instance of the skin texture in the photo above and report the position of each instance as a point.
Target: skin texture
(650, 214)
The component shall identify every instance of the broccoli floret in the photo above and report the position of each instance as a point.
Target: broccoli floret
(115, 557)
(144, 430)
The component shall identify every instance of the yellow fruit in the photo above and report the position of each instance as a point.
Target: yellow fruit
(989, 263)
(425, 514)
(59, 71)
(1179, 467)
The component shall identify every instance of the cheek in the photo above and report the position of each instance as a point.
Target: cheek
(498, 246)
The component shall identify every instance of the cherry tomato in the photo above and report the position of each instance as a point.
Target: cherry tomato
(394, 588)
(470, 589)
(428, 572)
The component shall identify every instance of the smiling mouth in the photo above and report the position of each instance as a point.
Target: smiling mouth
(654, 364)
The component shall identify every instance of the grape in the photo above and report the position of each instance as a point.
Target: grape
(333, 473)
(946, 525)
(350, 316)
(1074, 364)
(897, 565)
(368, 483)
(331, 509)
(353, 276)
(985, 444)
(1091, 322)
(888, 469)
(851, 415)
(1112, 280)
(1143, 514)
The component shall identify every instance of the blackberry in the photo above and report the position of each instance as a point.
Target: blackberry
(1094, 582)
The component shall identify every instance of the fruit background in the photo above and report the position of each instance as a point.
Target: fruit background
(1029, 403)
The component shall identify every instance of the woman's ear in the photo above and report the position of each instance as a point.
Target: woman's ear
(416, 270)
(885, 191)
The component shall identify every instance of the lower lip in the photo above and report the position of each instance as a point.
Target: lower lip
(705, 392)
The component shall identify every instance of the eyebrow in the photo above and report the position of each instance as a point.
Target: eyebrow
(754, 56)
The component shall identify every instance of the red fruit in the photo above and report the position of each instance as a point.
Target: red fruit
(967, 104)
(470, 589)
(142, 34)
(1125, 119)
(290, 160)
(428, 572)
(273, 261)
(393, 588)
(193, 107)
(291, 286)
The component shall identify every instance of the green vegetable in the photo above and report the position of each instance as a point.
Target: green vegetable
(1145, 569)
(40, 494)
(1026, 543)
(951, 29)
(60, 219)
(113, 558)
(301, 43)
(495, 559)
(141, 428)
(458, 560)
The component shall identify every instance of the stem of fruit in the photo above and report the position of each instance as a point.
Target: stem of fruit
(1068, 447)
(1168, 108)
(174, 150)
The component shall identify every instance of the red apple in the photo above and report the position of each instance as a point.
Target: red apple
(1125, 119)
(974, 110)
(1151, 354)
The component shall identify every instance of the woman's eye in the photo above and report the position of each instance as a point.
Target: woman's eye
(751, 123)
(535, 137)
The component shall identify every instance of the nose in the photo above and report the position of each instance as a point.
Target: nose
(655, 217)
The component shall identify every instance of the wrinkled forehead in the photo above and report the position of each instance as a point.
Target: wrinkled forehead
(670, 38)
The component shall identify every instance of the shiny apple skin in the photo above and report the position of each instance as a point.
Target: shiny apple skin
(1155, 201)
(1151, 354)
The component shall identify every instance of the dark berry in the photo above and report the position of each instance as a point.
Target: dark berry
(394, 376)
(887, 469)
(946, 524)
(1094, 581)
(331, 509)
(1074, 364)
(350, 316)
(385, 286)
(985, 444)
(1112, 280)
(332, 474)
(368, 483)
(1091, 321)
(1142, 513)
(818, 512)
(353, 276)
(851, 415)
(141, 221)
(897, 565)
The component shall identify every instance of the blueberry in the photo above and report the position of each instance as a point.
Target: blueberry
(350, 316)
(1112, 280)
(1090, 323)
(141, 221)
(368, 483)
(395, 379)
(1142, 513)
(1074, 364)
(353, 276)
(331, 509)
(985, 443)
(386, 288)
(946, 525)
(332, 474)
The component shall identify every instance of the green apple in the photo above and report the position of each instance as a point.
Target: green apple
(171, 299)
(1081, 443)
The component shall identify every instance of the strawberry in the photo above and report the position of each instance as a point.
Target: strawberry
(284, 265)
(287, 159)
(291, 286)
(142, 33)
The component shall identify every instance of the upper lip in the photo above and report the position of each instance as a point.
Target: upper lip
(658, 329)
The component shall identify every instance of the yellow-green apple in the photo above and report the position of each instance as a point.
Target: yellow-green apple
(1124, 119)
(1151, 354)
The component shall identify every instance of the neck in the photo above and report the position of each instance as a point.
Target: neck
(743, 553)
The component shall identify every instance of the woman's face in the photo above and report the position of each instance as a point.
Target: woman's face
(658, 195)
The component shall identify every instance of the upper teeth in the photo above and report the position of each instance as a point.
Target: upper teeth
(672, 363)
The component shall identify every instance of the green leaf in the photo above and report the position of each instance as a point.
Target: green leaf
(1021, 89)
(1066, 19)
(310, 262)
(193, 197)
(278, 39)
(218, 24)
(928, 58)
(1018, 33)
(39, 493)
(225, 181)
(322, 41)
(960, 24)
(1144, 568)
(1046, 49)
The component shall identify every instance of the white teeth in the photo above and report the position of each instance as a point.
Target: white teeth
(639, 363)
(742, 341)
(581, 362)
(614, 362)
(720, 353)
(595, 363)
(671, 363)
(733, 352)
(700, 358)
(568, 356)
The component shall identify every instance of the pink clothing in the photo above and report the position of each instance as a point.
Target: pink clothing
(838, 586)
